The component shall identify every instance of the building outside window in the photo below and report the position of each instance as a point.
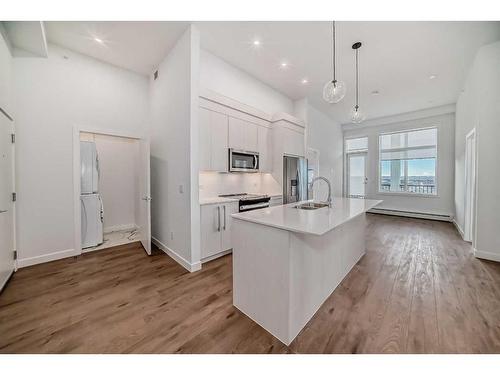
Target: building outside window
(408, 162)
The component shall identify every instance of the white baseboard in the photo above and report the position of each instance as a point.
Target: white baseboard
(116, 228)
(218, 255)
(459, 229)
(487, 255)
(416, 215)
(25, 262)
(191, 267)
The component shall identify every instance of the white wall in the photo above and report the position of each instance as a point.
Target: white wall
(479, 107)
(325, 135)
(443, 204)
(213, 184)
(118, 182)
(174, 143)
(5, 75)
(223, 78)
(51, 96)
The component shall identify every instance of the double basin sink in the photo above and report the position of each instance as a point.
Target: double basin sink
(311, 206)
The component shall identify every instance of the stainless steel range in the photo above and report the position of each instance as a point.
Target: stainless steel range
(249, 202)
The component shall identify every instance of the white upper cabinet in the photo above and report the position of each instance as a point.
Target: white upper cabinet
(219, 149)
(213, 147)
(204, 142)
(243, 135)
(295, 144)
(264, 145)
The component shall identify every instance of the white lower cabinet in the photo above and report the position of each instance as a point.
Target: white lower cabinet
(216, 225)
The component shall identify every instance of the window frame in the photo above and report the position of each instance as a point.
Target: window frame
(406, 193)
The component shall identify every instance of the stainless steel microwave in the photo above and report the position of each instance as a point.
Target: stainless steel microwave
(243, 161)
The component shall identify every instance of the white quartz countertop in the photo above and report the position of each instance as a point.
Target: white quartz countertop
(216, 200)
(316, 222)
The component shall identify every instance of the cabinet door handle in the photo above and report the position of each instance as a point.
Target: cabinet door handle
(224, 217)
(218, 218)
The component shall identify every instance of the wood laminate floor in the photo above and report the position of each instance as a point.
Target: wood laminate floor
(418, 289)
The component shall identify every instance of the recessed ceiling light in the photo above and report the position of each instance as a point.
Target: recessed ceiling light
(375, 92)
(305, 81)
(99, 40)
(284, 64)
(256, 42)
(432, 76)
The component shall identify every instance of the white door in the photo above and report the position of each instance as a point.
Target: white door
(356, 175)
(470, 184)
(6, 204)
(144, 206)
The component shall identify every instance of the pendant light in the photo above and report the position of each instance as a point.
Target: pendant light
(356, 115)
(334, 91)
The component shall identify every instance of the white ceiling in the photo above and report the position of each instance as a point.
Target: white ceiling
(137, 46)
(27, 38)
(396, 59)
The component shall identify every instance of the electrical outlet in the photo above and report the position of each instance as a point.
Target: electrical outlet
(181, 189)
(172, 236)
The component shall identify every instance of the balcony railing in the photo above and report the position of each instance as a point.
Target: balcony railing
(411, 188)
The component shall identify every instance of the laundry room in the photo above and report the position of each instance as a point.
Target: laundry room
(108, 190)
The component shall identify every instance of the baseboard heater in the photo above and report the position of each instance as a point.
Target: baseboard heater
(419, 215)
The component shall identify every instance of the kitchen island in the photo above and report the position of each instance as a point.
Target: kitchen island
(287, 260)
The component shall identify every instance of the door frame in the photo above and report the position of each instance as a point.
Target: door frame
(77, 129)
(11, 121)
(347, 169)
(470, 193)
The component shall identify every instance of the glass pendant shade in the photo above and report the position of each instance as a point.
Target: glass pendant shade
(334, 91)
(357, 116)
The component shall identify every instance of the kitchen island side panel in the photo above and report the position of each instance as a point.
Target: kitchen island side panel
(261, 274)
(318, 264)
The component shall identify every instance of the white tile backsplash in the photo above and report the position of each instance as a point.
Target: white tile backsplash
(213, 184)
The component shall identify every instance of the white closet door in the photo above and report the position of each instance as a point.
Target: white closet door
(6, 204)
(144, 198)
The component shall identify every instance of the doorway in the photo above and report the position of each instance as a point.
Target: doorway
(470, 185)
(112, 190)
(7, 230)
(356, 175)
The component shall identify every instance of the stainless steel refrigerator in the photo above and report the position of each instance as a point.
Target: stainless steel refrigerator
(294, 179)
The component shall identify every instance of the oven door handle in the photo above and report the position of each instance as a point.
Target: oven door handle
(245, 207)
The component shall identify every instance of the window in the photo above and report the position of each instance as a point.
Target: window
(356, 145)
(408, 162)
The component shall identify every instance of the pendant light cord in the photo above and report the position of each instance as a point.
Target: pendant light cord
(333, 52)
(357, 81)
